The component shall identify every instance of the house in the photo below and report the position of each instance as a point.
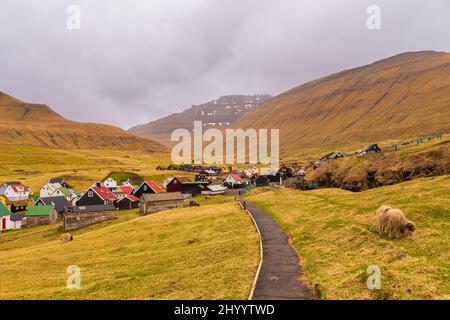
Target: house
(186, 167)
(126, 189)
(261, 181)
(57, 190)
(250, 171)
(69, 194)
(226, 169)
(198, 169)
(208, 173)
(40, 215)
(217, 169)
(77, 217)
(15, 191)
(301, 173)
(214, 190)
(59, 202)
(373, 148)
(275, 178)
(119, 195)
(128, 202)
(5, 217)
(173, 167)
(331, 156)
(150, 203)
(61, 181)
(4, 199)
(96, 196)
(110, 183)
(147, 187)
(193, 188)
(175, 184)
(16, 221)
(127, 183)
(233, 180)
(32, 201)
(285, 171)
(48, 189)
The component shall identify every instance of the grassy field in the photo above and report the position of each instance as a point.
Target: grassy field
(209, 252)
(335, 233)
(35, 165)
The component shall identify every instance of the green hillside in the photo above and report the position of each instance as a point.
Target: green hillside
(335, 233)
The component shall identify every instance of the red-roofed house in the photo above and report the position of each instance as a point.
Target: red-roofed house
(148, 186)
(126, 189)
(127, 203)
(96, 196)
(233, 180)
(15, 191)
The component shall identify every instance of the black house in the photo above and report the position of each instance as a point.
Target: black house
(193, 188)
(373, 148)
(148, 186)
(127, 203)
(286, 172)
(274, 178)
(96, 196)
(332, 156)
(261, 181)
(60, 203)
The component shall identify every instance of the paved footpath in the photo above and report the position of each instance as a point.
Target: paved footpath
(279, 278)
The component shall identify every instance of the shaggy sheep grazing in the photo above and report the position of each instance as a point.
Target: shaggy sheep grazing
(394, 221)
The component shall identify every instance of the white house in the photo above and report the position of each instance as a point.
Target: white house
(250, 171)
(15, 191)
(127, 183)
(233, 179)
(110, 183)
(5, 216)
(49, 189)
(15, 221)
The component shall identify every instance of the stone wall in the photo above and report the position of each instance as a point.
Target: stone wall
(73, 221)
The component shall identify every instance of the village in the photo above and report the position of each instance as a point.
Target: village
(56, 200)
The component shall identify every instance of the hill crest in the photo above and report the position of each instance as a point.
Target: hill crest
(407, 94)
(23, 123)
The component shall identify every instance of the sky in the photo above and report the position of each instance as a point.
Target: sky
(134, 61)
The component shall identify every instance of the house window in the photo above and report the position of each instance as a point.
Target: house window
(90, 194)
(145, 188)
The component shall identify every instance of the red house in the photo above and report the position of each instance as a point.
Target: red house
(175, 185)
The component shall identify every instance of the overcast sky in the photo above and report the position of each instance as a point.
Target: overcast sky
(134, 61)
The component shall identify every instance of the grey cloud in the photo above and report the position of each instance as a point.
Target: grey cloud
(135, 61)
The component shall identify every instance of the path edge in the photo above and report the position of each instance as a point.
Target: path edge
(261, 252)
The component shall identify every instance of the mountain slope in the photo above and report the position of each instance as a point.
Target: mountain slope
(25, 123)
(219, 113)
(408, 94)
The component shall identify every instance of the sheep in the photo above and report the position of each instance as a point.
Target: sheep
(394, 221)
(382, 218)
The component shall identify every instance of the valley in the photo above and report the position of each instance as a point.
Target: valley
(211, 250)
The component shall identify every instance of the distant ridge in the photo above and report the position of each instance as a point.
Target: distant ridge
(402, 96)
(220, 113)
(25, 123)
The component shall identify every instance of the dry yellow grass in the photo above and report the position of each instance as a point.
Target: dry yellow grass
(34, 165)
(335, 233)
(209, 252)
